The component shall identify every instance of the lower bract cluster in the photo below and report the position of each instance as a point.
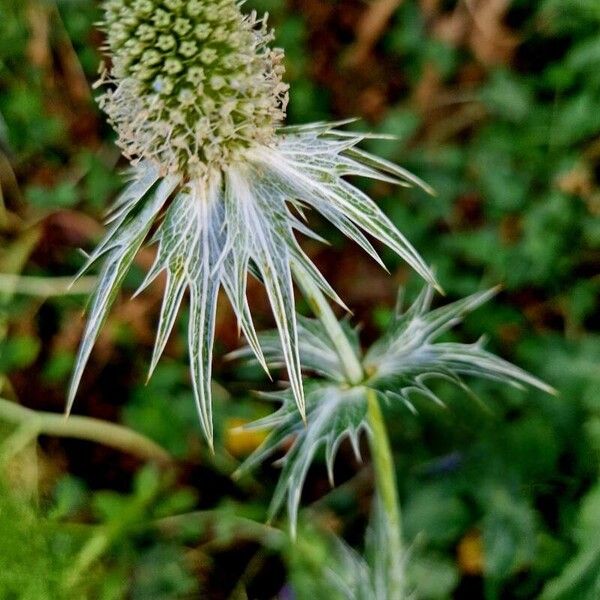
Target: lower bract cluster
(192, 83)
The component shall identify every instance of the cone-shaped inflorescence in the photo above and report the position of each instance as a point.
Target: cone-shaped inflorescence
(194, 81)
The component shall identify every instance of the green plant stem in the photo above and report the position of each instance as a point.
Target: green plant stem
(240, 527)
(385, 480)
(321, 309)
(46, 287)
(383, 463)
(84, 428)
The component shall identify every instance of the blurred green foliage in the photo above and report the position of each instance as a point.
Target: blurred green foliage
(500, 499)
(46, 557)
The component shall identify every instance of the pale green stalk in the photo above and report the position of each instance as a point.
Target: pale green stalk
(385, 474)
(321, 309)
(45, 287)
(33, 423)
(385, 478)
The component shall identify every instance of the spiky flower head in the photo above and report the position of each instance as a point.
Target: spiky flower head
(193, 83)
(196, 97)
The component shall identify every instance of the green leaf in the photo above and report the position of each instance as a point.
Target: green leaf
(433, 576)
(435, 514)
(18, 352)
(580, 579)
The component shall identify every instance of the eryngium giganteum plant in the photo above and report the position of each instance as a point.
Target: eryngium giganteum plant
(196, 96)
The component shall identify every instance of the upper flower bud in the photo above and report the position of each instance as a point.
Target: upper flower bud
(194, 82)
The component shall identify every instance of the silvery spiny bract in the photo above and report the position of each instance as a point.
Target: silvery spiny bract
(400, 364)
(346, 575)
(196, 97)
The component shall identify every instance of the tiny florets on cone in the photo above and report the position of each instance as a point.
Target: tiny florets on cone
(192, 82)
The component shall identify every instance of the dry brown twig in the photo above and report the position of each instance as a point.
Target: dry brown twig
(370, 28)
